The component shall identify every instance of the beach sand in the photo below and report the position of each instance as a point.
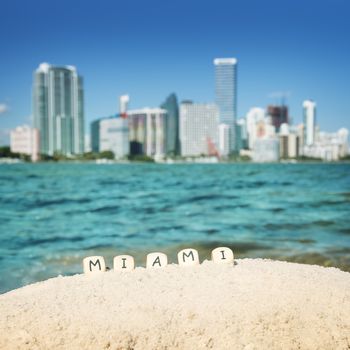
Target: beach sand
(256, 304)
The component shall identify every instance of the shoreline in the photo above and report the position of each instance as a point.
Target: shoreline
(256, 304)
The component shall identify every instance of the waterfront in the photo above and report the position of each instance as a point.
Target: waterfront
(53, 215)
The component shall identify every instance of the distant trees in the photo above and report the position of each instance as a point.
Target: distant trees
(5, 152)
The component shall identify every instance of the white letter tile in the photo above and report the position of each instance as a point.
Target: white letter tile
(222, 255)
(156, 260)
(123, 263)
(188, 257)
(94, 264)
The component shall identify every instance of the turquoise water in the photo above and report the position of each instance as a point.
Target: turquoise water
(53, 215)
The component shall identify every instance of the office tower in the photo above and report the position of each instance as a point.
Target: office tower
(199, 129)
(309, 108)
(58, 109)
(172, 125)
(147, 132)
(278, 115)
(111, 134)
(25, 140)
(226, 95)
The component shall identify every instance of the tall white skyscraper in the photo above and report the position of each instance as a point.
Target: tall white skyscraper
(199, 128)
(226, 95)
(58, 109)
(309, 108)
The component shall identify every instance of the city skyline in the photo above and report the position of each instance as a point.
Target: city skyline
(301, 58)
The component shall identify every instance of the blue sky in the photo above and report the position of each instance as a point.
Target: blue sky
(151, 48)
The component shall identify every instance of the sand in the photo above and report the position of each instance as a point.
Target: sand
(257, 304)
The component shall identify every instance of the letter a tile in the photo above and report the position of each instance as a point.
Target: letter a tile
(188, 257)
(94, 264)
(123, 263)
(156, 260)
(222, 255)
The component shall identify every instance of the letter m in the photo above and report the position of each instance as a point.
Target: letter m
(96, 263)
(184, 255)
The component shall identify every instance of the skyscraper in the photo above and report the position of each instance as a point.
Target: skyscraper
(172, 125)
(58, 109)
(226, 94)
(309, 108)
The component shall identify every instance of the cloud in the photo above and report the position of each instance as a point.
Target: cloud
(3, 108)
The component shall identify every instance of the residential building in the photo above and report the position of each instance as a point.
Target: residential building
(329, 146)
(199, 129)
(25, 140)
(147, 132)
(58, 109)
(226, 95)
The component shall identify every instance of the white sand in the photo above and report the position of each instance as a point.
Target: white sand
(257, 304)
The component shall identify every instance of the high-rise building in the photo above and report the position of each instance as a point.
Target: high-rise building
(25, 140)
(309, 108)
(199, 129)
(278, 115)
(172, 125)
(58, 109)
(147, 132)
(226, 95)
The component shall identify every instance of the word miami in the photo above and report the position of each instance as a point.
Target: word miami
(185, 257)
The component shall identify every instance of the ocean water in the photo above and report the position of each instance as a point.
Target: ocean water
(53, 215)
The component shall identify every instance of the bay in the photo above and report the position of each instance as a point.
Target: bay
(53, 215)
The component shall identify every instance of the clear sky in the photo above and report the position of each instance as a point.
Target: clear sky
(150, 48)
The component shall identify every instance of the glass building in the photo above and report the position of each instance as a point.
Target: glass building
(226, 95)
(58, 109)
(172, 125)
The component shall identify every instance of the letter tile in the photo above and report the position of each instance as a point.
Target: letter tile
(94, 264)
(188, 257)
(222, 255)
(156, 260)
(123, 263)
